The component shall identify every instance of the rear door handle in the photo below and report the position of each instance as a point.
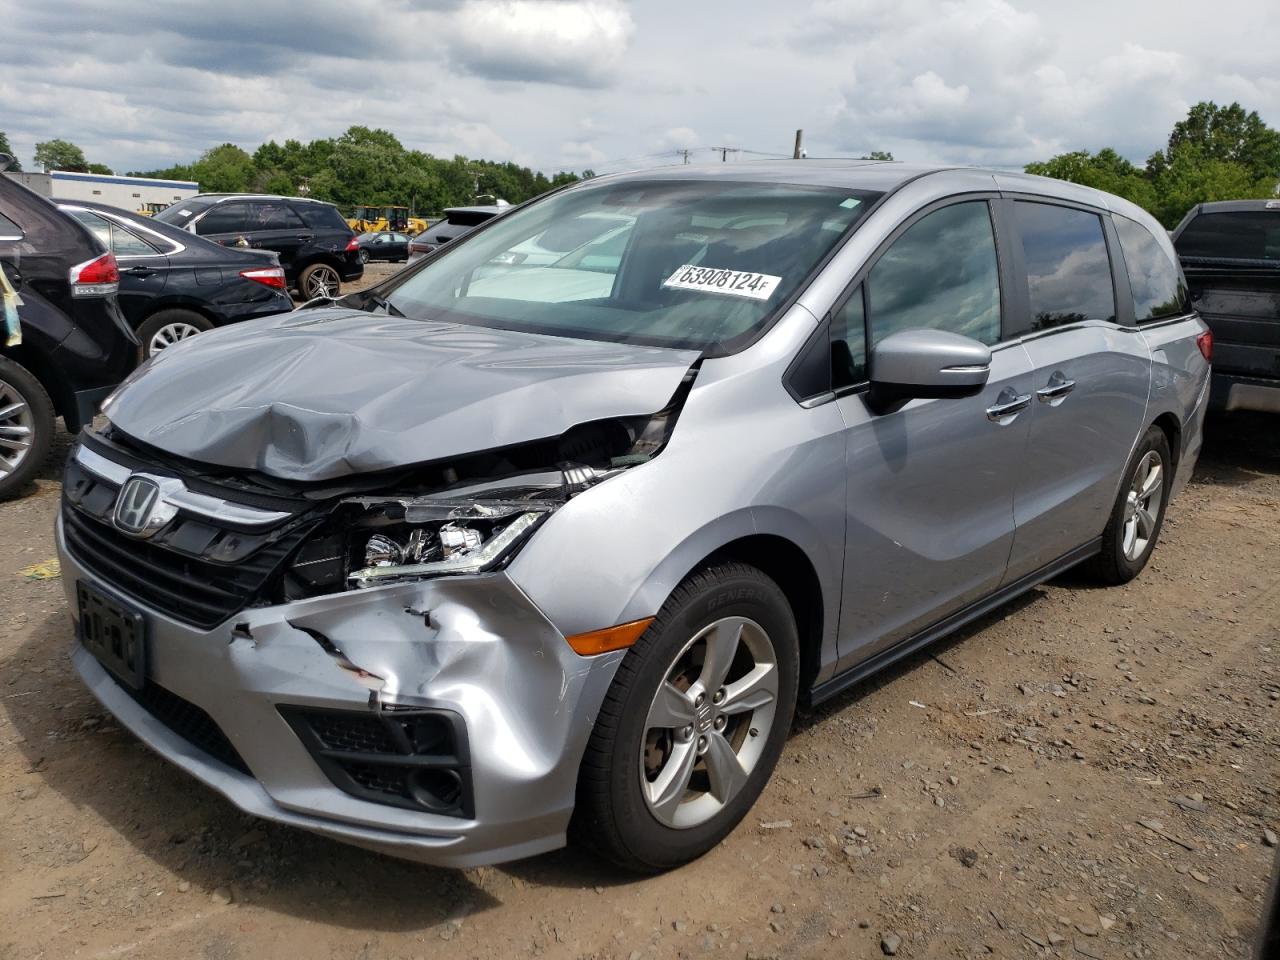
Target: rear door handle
(1059, 386)
(140, 272)
(1008, 405)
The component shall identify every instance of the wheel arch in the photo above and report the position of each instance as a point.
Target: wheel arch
(178, 303)
(1171, 426)
(790, 568)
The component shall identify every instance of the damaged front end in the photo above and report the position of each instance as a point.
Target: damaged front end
(358, 633)
(471, 515)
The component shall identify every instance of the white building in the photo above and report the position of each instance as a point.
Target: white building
(141, 194)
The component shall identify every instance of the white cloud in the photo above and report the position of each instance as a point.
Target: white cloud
(548, 41)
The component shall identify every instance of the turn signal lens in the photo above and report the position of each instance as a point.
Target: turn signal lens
(353, 244)
(1205, 343)
(610, 638)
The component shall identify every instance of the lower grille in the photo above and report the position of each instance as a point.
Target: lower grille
(189, 722)
(401, 757)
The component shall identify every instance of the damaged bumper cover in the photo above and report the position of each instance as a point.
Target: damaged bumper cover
(474, 649)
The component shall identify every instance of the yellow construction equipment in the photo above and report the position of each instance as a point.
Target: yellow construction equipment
(367, 219)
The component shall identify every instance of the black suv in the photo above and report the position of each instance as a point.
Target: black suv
(64, 344)
(1230, 252)
(317, 249)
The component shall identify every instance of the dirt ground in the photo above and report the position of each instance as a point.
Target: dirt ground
(1087, 773)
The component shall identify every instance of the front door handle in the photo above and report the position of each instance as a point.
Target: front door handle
(1008, 405)
(1059, 386)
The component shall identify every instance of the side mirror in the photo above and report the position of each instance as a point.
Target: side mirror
(926, 364)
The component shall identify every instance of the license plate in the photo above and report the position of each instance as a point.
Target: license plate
(114, 634)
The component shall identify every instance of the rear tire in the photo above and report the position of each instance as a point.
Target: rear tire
(682, 747)
(1134, 526)
(26, 427)
(319, 280)
(364, 256)
(164, 328)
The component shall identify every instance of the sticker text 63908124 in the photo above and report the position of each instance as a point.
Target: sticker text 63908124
(731, 283)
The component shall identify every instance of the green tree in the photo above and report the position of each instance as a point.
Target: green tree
(5, 148)
(99, 168)
(1188, 176)
(1224, 133)
(224, 169)
(878, 155)
(1105, 170)
(60, 155)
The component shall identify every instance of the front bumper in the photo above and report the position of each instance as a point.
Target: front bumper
(474, 646)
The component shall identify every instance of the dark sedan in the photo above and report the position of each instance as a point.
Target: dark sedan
(174, 284)
(384, 245)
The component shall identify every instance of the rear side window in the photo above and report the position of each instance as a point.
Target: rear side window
(320, 216)
(115, 238)
(273, 216)
(224, 218)
(941, 273)
(1239, 235)
(1068, 271)
(1157, 287)
(8, 229)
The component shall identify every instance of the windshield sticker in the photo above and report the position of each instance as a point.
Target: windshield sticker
(850, 203)
(184, 213)
(730, 283)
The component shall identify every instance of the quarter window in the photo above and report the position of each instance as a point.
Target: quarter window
(849, 343)
(126, 244)
(1158, 290)
(940, 274)
(8, 229)
(1068, 272)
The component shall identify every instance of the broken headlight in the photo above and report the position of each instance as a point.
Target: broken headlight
(431, 538)
(373, 540)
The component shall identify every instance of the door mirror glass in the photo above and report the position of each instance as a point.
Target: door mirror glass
(926, 364)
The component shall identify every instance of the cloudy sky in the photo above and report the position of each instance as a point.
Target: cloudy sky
(611, 85)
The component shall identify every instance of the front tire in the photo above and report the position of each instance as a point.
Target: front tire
(693, 724)
(26, 427)
(1134, 525)
(364, 256)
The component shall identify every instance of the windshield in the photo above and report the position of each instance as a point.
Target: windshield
(699, 264)
(1240, 235)
(181, 212)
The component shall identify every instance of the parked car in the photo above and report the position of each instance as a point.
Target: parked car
(64, 344)
(457, 222)
(384, 245)
(317, 249)
(451, 571)
(1230, 252)
(174, 285)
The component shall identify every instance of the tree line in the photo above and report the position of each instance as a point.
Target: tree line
(1215, 153)
(362, 167)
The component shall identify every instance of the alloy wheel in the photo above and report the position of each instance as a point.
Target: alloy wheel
(17, 428)
(323, 282)
(170, 334)
(1142, 505)
(709, 722)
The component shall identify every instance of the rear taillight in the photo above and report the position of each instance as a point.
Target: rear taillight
(1205, 343)
(99, 277)
(353, 244)
(268, 276)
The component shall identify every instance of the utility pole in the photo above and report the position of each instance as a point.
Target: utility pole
(799, 137)
(685, 154)
(725, 151)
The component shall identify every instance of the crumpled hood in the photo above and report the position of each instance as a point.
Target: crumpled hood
(319, 394)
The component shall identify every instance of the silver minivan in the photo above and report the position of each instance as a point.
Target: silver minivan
(503, 551)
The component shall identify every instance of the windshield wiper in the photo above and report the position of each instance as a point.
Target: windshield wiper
(375, 300)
